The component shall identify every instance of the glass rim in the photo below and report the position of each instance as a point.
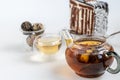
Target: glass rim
(48, 35)
(37, 31)
(89, 37)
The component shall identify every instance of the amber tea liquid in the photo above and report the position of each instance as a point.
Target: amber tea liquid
(86, 60)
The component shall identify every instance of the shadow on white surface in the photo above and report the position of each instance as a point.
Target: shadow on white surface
(64, 72)
(16, 48)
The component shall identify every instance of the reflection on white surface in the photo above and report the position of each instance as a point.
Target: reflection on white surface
(55, 15)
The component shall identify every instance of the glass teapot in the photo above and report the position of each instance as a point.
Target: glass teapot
(90, 56)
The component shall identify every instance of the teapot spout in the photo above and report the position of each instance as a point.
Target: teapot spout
(67, 36)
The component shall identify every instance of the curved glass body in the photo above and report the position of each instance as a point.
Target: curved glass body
(87, 56)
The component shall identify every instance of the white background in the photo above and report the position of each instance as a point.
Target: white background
(54, 14)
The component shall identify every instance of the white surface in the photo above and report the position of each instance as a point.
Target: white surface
(14, 63)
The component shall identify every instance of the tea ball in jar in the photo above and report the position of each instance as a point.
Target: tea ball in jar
(26, 26)
(30, 39)
(37, 26)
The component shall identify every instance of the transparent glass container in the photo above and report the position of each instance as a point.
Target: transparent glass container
(90, 55)
(89, 17)
(47, 46)
(29, 37)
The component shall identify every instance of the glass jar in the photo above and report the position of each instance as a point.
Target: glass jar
(88, 17)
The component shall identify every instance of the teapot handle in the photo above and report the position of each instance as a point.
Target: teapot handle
(117, 57)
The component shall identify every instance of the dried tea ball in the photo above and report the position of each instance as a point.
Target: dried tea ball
(30, 39)
(37, 26)
(26, 26)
